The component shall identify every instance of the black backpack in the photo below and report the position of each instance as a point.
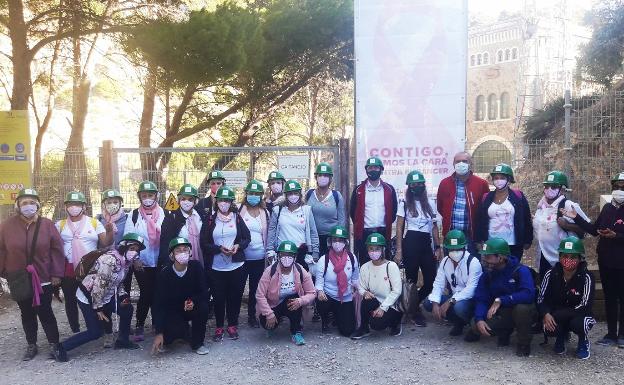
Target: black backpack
(334, 193)
(274, 270)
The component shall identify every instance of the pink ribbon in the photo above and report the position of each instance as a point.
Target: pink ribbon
(36, 284)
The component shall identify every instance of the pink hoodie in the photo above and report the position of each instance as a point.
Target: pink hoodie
(267, 295)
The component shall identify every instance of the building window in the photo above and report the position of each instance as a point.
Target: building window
(488, 154)
(479, 59)
(504, 105)
(486, 58)
(499, 55)
(472, 60)
(492, 107)
(507, 54)
(480, 108)
(514, 54)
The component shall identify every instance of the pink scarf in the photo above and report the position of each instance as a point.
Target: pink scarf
(193, 233)
(153, 231)
(112, 218)
(36, 284)
(339, 261)
(77, 247)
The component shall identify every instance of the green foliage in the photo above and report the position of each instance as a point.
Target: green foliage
(541, 125)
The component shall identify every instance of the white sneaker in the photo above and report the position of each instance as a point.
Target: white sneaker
(202, 350)
(109, 340)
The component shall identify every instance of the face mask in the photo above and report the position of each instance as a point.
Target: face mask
(148, 202)
(456, 255)
(131, 255)
(322, 181)
(29, 210)
(462, 168)
(112, 208)
(182, 258)
(338, 246)
(418, 190)
(224, 207)
(287, 261)
(569, 263)
(374, 255)
(618, 196)
(276, 188)
(74, 211)
(551, 193)
(187, 205)
(373, 175)
(253, 200)
(500, 184)
(294, 199)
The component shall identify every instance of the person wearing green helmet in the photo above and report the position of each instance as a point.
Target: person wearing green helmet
(380, 287)
(373, 208)
(208, 204)
(21, 264)
(566, 298)
(102, 293)
(549, 223)
(460, 271)
(113, 213)
(505, 213)
(328, 206)
(256, 217)
(609, 227)
(417, 230)
(284, 289)
(81, 234)
(224, 238)
(274, 195)
(146, 220)
(337, 278)
(181, 298)
(504, 298)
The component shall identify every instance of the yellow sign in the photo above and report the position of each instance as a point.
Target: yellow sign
(172, 203)
(15, 172)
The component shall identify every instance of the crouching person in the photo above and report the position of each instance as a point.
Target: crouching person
(460, 271)
(101, 293)
(181, 297)
(566, 298)
(504, 298)
(285, 287)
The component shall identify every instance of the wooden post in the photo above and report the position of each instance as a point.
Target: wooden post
(106, 164)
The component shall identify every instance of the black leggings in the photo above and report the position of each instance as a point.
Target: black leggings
(417, 255)
(344, 314)
(391, 318)
(69, 286)
(227, 291)
(281, 310)
(147, 286)
(568, 321)
(46, 317)
(253, 270)
(613, 288)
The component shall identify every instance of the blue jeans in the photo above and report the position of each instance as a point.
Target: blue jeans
(94, 326)
(460, 313)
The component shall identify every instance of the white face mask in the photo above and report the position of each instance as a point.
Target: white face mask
(338, 246)
(187, 205)
(29, 210)
(182, 258)
(322, 181)
(294, 199)
(276, 188)
(147, 202)
(287, 261)
(456, 255)
(224, 207)
(462, 168)
(374, 255)
(500, 184)
(112, 208)
(551, 193)
(618, 196)
(131, 255)
(74, 211)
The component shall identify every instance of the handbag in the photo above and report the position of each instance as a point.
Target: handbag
(20, 282)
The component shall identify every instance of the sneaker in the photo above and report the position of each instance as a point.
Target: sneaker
(523, 350)
(30, 353)
(503, 340)
(139, 334)
(119, 344)
(108, 340)
(471, 336)
(560, 345)
(252, 322)
(607, 340)
(620, 342)
(59, 353)
(396, 331)
(457, 330)
(232, 332)
(297, 338)
(218, 335)
(420, 321)
(202, 350)
(360, 333)
(582, 350)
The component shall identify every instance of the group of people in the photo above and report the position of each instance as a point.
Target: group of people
(292, 249)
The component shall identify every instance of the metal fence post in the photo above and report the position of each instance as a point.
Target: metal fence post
(343, 167)
(567, 147)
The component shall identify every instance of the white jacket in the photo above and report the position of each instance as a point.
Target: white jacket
(466, 280)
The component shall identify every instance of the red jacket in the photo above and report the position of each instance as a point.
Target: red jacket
(476, 187)
(358, 203)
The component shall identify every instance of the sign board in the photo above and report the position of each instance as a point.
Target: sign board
(235, 179)
(294, 166)
(15, 171)
(172, 203)
(410, 59)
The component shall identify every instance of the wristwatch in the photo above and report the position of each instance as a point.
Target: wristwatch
(497, 300)
(452, 301)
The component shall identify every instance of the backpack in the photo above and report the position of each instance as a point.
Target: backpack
(274, 270)
(399, 302)
(351, 258)
(87, 262)
(470, 258)
(63, 222)
(334, 193)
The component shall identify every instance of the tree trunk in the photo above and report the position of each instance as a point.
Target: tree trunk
(21, 56)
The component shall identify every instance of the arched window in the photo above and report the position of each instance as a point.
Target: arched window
(479, 59)
(504, 105)
(472, 60)
(499, 55)
(486, 58)
(488, 154)
(507, 54)
(514, 54)
(480, 108)
(492, 107)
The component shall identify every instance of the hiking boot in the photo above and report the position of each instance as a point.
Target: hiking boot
(607, 340)
(396, 331)
(58, 352)
(471, 336)
(108, 340)
(620, 342)
(582, 349)
(120, 344)
(218, 335)
(30, 353)
(252, 322)
(202, 350)
(456, 330)
(232, 332)
(360, 333)
(419, 320)
(139, 334)
(503, 340)
(523, 350)
(560, 345)
(298, 339)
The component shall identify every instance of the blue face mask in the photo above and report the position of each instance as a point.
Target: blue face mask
(253, 200)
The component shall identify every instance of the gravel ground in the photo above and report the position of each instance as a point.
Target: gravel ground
(419, 356)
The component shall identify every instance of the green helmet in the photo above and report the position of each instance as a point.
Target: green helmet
(132, 238)
(292, 185)
(75, 197)
(215, 174)
(225, 192)
(177, 242)
(495, 246)
(276, 175)
(188, 189)
(455, 240)
(27, 192)
(617, 177)
(147, 186)
(287, 247)
(556, 178)
(504, 169)
(254, 186)
(415, 177)
(338, 232)
(375, 239)
(323, 169)
(374, 161)
(111, 193)
(571, 245)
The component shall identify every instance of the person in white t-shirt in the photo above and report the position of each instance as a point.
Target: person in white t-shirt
(81, 234)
